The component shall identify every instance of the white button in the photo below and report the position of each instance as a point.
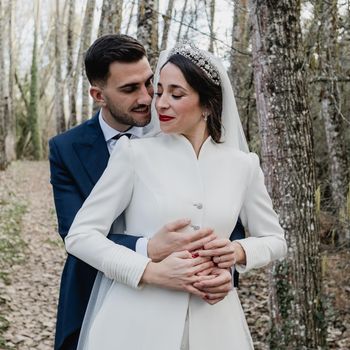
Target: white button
(195, 227)
(198, 205)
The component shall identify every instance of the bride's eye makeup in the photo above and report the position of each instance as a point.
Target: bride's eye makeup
(176, 93)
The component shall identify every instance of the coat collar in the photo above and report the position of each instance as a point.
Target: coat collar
(92, 150)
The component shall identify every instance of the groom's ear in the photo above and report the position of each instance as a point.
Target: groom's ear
(96, 94)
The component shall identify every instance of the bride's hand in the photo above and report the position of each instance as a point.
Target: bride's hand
(215, 286)
(224, 252)
(178, 271)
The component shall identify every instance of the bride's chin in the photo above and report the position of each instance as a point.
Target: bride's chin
(166, 130)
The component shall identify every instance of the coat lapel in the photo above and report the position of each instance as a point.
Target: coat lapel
(92, 150)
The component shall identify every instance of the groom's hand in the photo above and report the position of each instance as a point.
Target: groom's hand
(169, 240)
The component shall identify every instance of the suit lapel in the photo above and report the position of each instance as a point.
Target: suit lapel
(92, 150)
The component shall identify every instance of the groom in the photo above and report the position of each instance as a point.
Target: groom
(121, 82)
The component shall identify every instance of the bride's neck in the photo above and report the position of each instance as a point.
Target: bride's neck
(197, 139)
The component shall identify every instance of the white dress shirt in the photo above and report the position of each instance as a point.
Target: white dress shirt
(109, 133)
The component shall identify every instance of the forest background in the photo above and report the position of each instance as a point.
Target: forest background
(289, 64)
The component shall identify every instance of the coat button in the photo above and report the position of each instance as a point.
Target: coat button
(198, 205)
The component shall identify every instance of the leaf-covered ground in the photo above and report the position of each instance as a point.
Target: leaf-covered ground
(32, 256)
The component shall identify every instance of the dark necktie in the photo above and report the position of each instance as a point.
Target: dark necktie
(117, 137)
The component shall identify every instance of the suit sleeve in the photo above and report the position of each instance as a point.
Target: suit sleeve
(266, 242)
(87, 236)
(69, 199)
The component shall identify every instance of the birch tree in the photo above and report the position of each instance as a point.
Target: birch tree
(184, 9)
(59, 101)
(211, 25)
(147, 28)
(3, 126)
(11, 130)
(84, 44)
(130, 17)
(240, 71)
(297, 315)
(167, 21)
(327, 14)
(33, 117)
(72, 107)
(111, 17)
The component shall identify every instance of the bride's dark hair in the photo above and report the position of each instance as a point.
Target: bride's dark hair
(210, 95)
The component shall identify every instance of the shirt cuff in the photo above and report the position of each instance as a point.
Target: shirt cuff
(141, 246)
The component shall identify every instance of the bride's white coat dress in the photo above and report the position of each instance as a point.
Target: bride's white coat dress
(154, 181)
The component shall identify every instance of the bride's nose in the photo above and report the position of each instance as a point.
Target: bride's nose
(162, 102)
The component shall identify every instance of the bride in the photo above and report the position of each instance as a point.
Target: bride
(198, 167)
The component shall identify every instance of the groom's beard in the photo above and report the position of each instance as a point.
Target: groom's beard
(139, 115)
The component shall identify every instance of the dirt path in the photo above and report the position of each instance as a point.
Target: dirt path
(32, 294)
(29, 301)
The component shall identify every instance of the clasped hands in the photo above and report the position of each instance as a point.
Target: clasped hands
(197, 262)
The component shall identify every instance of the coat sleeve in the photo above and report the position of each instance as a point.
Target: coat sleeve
(266, 240)
(87, 239)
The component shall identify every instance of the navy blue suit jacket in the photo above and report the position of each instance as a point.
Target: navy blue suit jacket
(78, 158)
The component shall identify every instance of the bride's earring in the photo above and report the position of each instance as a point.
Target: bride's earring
(205, 116)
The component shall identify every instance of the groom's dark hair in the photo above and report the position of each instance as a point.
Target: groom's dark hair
(108, 49)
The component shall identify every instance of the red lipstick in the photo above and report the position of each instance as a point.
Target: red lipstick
(165, 118)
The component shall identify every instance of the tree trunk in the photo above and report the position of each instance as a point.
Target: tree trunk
(59, 102)
(11, 130)
(241, 72)
(191, 22)
(85, 43)
(147, 28)
(167, 21)
(72, 107)
(111, 17)
(130, 17)
(297, 313)
(211, 25)
(3, 126)
(181, 21)
(328, 55)
(33, 117)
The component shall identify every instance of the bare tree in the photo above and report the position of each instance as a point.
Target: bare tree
(147, 28)
(241, 73)
(167, 21)
(111, 17)
(3, 126)
(297, 313)
(184, 9)
(130, 17)
(84, 44)
(211, 25)
(59, 101)
(33, 116)
(328, 55)
(72, 107)
(11, 130)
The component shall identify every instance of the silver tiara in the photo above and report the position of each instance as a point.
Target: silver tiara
(196, 56)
